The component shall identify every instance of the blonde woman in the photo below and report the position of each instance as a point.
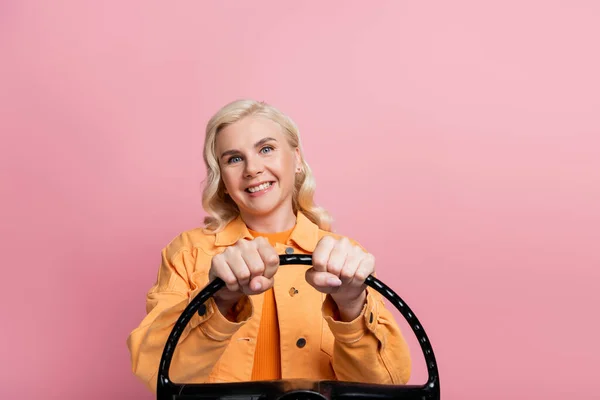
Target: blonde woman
(268, 323)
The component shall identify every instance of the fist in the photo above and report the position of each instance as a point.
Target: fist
(248, 267)
(340, 268)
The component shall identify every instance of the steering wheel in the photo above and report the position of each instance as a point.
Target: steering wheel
(296, 389)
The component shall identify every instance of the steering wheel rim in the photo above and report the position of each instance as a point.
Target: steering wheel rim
(301, 389)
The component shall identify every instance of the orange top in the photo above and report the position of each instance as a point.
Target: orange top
(267, 356)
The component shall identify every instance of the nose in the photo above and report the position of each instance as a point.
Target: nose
(254, 166)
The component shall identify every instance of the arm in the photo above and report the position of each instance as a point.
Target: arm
(370, 348)
(203, 341)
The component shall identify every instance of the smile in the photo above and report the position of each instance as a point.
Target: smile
(260, 187)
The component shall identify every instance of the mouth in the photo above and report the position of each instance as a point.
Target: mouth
(260, 187)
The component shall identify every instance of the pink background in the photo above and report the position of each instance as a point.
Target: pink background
(458, 141)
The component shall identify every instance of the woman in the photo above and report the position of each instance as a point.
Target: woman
(318, 323)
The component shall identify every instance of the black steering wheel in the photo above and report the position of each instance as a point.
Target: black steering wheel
(296, 389)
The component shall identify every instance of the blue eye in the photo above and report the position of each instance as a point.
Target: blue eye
(266, 149)
(234, 159)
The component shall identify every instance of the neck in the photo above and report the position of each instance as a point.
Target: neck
(279, 220)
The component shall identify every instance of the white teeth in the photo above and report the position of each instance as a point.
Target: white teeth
(259, 187)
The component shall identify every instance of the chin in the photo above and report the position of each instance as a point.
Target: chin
(262, 211)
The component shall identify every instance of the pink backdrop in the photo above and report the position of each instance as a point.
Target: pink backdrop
(458, 141)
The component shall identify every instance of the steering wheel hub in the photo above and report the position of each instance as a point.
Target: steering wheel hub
(302, 395)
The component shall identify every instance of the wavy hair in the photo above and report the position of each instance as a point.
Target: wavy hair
(221, 209)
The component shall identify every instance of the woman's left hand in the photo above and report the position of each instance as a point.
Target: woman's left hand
(340, 268)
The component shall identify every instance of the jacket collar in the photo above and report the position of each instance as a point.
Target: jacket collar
(305, 234)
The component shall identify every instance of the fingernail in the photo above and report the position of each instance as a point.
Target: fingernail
(257, 286)
(332, 281)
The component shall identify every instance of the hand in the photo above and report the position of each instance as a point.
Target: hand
(248, 267)
(340, 268)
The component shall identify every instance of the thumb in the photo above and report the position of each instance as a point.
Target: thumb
(259, 284)
(322, 279)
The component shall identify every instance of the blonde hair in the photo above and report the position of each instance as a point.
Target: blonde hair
(220, 208)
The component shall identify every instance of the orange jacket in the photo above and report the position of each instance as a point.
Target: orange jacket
(370, 349)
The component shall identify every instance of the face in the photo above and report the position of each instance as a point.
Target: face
(258, 167)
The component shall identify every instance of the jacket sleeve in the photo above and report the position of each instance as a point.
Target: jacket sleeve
(371, 348)
(204, 339)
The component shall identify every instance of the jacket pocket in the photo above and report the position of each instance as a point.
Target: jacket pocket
(327, 339)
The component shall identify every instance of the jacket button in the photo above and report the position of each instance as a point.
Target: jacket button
(202, 310)
(293, 291)
(301, 342)
(289, 250)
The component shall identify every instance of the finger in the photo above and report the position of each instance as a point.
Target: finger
(253, 261)
(338, 256)
(238, 265)
(365, 268)
(320, 256)
(259, 284)
(322, 280)
(270, 258)
(221, 269)
(349, 269)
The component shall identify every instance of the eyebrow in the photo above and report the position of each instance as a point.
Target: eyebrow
(257, 144)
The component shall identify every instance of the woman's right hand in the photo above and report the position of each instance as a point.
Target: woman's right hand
(248, 267)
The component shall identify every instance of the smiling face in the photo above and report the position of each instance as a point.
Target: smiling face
(258, 169)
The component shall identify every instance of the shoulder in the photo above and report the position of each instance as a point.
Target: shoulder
(192, 241)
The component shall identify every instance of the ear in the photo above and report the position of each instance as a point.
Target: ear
(298, 160)
(222, 185)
